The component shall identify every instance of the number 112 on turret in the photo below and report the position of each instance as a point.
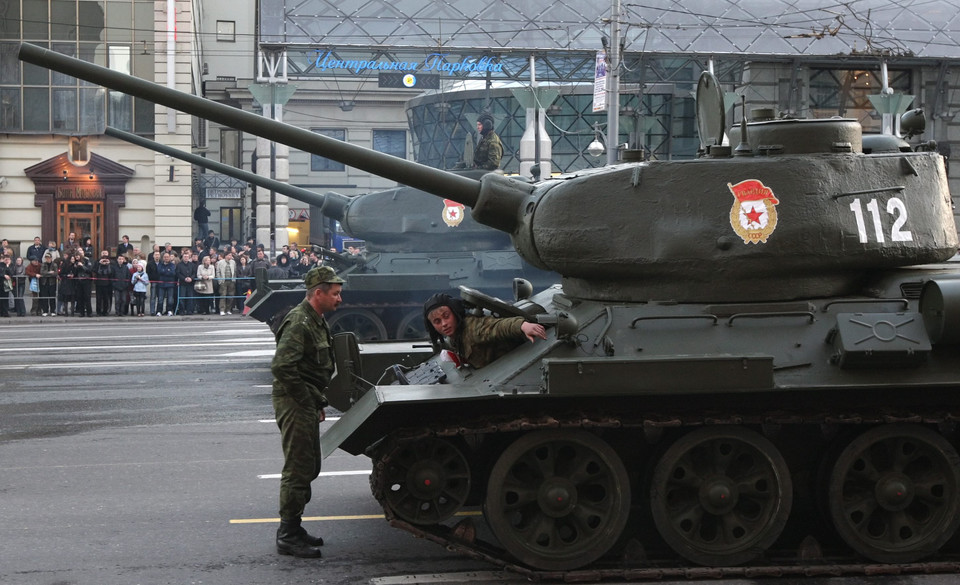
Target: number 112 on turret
(895, 208)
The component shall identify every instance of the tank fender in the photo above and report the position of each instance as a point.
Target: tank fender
(673, 374)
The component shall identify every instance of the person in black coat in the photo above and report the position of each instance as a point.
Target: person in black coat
(104, 283)
(68, 284)
(35, 252)
(211, 241)
(83, 274)
(186, 274)
(152, 262)
(125, 247)
(202, 217)
(87, 245)
(6, 286)
(120, 284)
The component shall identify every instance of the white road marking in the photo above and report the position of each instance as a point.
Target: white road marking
(267, 335)
(101, 364)
(125, 348)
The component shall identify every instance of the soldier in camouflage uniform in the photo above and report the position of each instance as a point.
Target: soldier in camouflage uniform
(476, 341)
(302, 367)
(489, 150)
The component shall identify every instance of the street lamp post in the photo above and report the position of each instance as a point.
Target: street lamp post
(613, 87)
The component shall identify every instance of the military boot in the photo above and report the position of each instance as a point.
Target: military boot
(310, 539)
(291, 540)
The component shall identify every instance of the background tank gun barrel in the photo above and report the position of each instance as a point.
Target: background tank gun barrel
(398, 219)
(298, 193)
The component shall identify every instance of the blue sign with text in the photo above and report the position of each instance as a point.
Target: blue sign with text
(433, 63)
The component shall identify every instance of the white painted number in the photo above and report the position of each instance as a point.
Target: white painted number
(895, 207)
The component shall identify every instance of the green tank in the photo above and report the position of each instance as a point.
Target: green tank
(750, 368)
(414, 245)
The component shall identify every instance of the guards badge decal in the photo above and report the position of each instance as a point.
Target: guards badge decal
(753, 215)
(452, 212)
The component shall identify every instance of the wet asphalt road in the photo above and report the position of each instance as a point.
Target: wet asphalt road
(144, 451)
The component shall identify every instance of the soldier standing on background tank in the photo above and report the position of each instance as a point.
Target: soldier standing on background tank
(489, 150)
(302, 367)
(476, 341)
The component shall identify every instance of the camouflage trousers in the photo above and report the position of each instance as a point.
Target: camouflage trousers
(300, 439)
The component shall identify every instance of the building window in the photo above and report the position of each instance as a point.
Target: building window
(35, 100)
(391, 142)
(230, 147)
(227, 31)
(321, 163)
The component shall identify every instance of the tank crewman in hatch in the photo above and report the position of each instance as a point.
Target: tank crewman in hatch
(302, 367)
(476, 341)
(489, 149)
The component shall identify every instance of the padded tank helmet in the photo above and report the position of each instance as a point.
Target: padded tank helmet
(435, 302)
(486, 122)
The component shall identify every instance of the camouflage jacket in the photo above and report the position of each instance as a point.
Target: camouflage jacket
(488, 152)
(481, 340)
(303, 363)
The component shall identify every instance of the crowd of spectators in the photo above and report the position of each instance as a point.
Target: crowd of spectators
(208, 278)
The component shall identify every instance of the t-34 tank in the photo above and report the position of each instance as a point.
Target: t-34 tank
(751, 365)
(416, 245)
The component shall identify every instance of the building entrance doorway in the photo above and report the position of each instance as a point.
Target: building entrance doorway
(84, 218)
(85, 200)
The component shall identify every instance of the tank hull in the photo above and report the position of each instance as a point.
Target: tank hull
(806, 391)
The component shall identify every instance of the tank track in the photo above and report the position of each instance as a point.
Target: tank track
(461, 537)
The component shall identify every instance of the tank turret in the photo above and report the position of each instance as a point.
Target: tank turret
(807, 214)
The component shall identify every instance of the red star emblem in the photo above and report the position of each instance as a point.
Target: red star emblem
(754, 215)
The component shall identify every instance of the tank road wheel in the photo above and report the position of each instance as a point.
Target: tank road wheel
(426, 481)
(364, 323)
(720, 496)
(411, 326)
(893, 493)
(558, 500)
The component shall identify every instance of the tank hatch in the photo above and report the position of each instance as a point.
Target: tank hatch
(711, 118)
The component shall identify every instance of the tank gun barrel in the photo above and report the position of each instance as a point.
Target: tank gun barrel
(298, 193)
(441, 183)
